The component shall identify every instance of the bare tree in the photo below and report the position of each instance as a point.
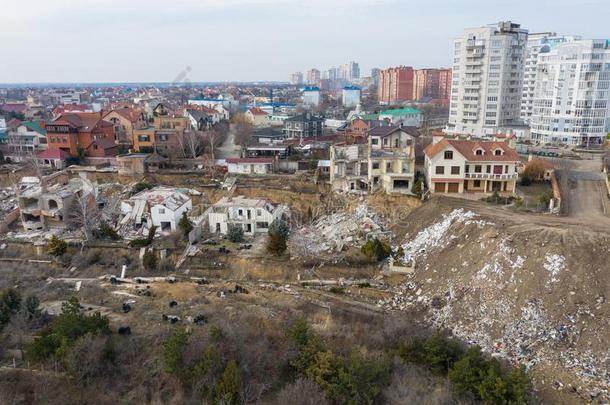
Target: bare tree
(192, 143)
(83, 213)
(213, 139)
(33, 163)
(243, 129)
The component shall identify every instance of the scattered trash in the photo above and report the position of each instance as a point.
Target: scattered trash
(171, 318)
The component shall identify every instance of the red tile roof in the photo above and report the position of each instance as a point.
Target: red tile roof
(84, 121)
(128, 113)
(467, 149)
(103, 144)
(13, 123)
(54, 153)
(14, 107)
(60, 109)
(257, 111)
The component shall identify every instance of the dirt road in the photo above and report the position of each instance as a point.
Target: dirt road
(587, 199)
(228, 149)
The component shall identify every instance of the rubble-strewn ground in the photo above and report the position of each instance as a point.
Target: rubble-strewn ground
(524, 291)
(529, 288)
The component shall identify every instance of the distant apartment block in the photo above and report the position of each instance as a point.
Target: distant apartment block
(396, 85)
(311, 96)
(571, 102)
(487, 79)
(350, 97)
(543, 41)
(296, 78)
(313, 77)
(432, 85)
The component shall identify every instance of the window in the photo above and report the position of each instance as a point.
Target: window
(477, 183)
(455, 169)
(440, 169)
(161, 210)
(375, 165)
(498, 152)
(477, 168)
(478, 152)
(375, 141)
(448, 154)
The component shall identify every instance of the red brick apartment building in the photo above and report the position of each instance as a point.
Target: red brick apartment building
(396, 84)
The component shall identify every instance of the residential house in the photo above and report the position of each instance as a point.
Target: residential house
(125, 120)
(163, 136)
(14, 109)
(386, 162)
(257, 117)
(75, 132)
(68, 108)
(54, 158)
(139, 163)
(202, 118)
(471, 166)
(26, 139)
(304, 125)
(251, 165)
(46, 202)
(251, 215)
(160, 206)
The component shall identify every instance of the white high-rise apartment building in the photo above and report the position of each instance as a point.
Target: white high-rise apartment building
(572, 93)
(296, 78)
(534, 43)
(487, 79)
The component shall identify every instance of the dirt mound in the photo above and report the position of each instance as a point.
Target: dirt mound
(530, 294)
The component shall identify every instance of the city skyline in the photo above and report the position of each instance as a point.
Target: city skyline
(67, 41)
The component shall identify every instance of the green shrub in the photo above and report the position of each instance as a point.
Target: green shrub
(57, 247)
(10, 304)
(235, 234)
(526, 181)
(277, 237)
(139, 243)
(149, 261)
(172, 354)
(376, 250)
(227, 389)
(105, 231)
(141, 186)
(65, 330)
(337, 290)
(418, 187)
(185, 225)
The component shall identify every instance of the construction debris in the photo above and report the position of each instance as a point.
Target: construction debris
(334, 232)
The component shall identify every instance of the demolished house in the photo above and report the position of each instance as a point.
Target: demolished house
(386, 162)
(251, 215)
(160, 206)
(45, 202)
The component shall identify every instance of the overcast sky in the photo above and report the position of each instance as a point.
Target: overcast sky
(248, 40)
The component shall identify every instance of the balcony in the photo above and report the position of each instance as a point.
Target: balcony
(491, 176)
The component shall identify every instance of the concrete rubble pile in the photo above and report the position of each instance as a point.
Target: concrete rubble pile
(484, 307)
(332, 233)
(8, 200)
